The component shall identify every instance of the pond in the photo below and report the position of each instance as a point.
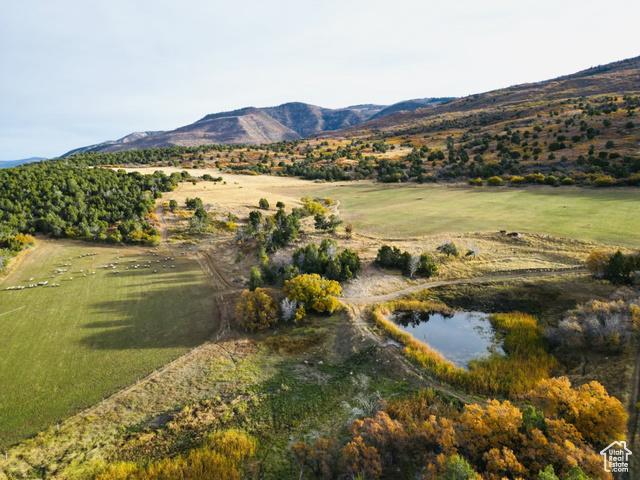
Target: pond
(459, 337)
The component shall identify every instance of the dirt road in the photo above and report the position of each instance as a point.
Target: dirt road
(459, 281)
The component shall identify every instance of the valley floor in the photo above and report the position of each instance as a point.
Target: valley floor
(296, 382)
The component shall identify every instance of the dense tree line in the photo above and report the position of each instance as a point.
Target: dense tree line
(63, 199)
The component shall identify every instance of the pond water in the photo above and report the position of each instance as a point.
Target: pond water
(459, 337)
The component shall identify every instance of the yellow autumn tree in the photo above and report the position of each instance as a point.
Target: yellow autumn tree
(598, 417)
(314, 292)
(257, 310)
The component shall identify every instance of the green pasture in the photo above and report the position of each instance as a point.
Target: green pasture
(609, 216)
(64, 348)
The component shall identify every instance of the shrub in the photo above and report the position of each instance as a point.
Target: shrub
(426, 266)
(534, 178)
(325, 224)
(449, 249)
(17, 243)
(220, 458)
(348, 230)
(597, 262)
(194, 203)
(255, 279)
(477, 182)
(263, 204)
(604, 181)
(494, 182)
(388, 257)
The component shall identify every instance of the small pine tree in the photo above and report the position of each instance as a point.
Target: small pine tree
(449, 249)
(255, 279)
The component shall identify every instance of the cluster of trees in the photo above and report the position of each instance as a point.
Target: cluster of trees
(327, 224)
(326, 261)
(281, 229)
(272, 232)
(616, 267)
(323, 260)
(410, 265)
(312, 172)
(425, 437)
(61, 199)
(263, 308)
(170, 155)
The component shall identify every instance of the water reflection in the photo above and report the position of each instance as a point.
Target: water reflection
(460, 337)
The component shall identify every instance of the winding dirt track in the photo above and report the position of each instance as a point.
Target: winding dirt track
(459, 281)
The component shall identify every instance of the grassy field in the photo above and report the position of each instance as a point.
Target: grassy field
(65, 348)
(601, 215)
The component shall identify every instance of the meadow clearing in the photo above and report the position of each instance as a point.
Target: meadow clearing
(65, 348)
(409, 210)
(599, 215)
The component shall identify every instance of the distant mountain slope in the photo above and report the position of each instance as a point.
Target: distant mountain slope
(15, 163)
(517, 101)
(249, 125)
(252, 125)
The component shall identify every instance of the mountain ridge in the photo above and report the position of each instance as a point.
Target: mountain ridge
(252, 125)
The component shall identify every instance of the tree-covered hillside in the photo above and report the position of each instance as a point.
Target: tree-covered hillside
(69, 199)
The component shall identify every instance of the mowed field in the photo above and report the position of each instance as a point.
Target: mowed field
(609, 216)
(65, 348)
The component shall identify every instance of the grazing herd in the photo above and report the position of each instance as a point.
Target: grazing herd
(113, 266)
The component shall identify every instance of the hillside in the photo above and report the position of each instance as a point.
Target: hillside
(618, 78)
(576, 129)
(252, 126)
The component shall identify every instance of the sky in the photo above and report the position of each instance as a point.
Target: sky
(77, 72)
